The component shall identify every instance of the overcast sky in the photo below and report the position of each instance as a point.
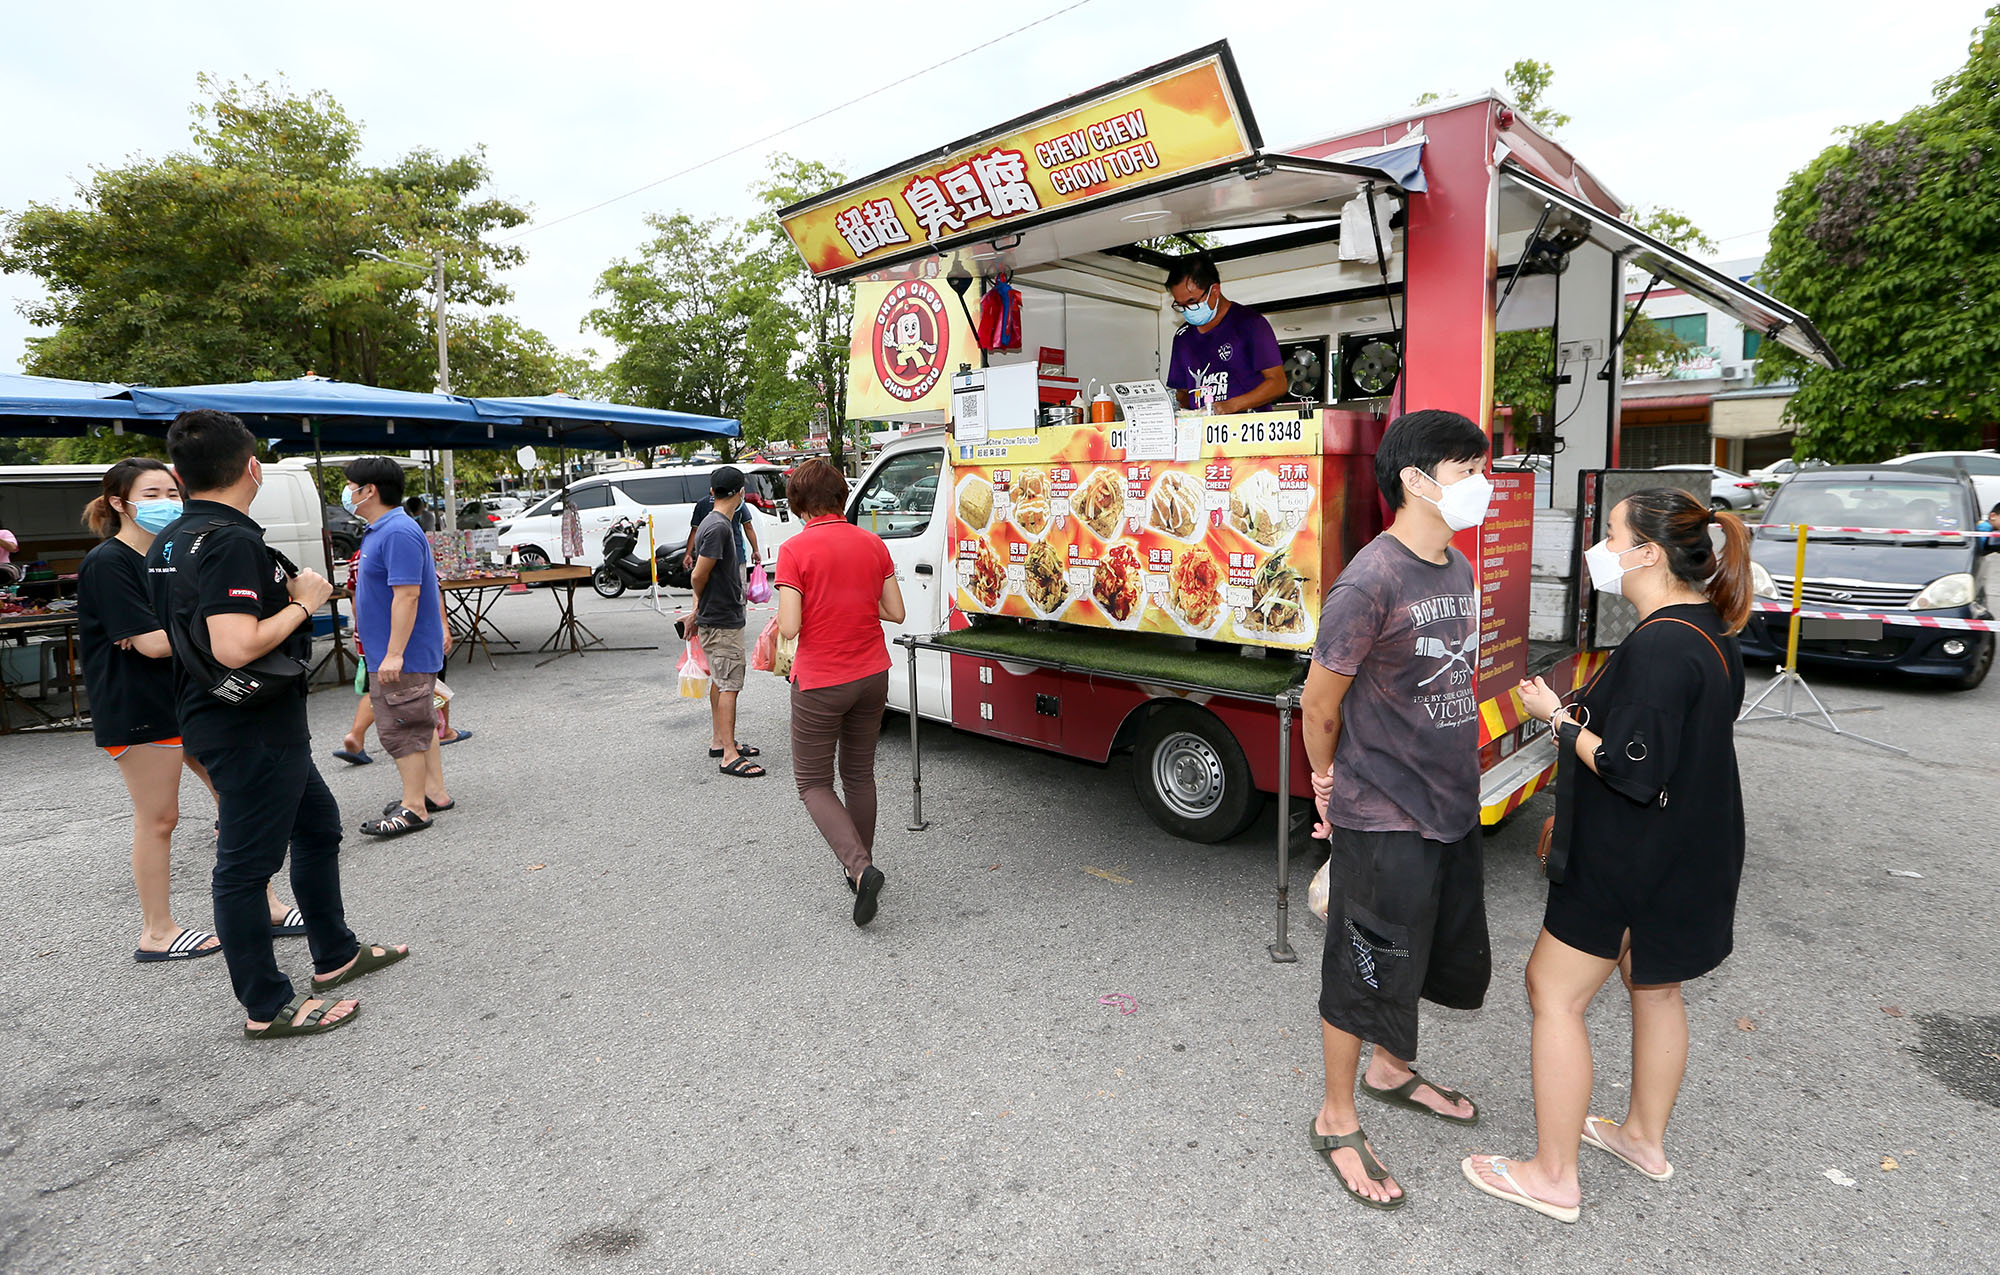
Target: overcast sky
(1707, 110)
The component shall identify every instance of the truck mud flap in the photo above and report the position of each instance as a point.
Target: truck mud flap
(1515, 778)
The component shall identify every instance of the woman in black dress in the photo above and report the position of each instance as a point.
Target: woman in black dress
(1648, 845)
(128, 669)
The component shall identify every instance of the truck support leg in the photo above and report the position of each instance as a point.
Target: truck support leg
(1281, 951)
(917, 822)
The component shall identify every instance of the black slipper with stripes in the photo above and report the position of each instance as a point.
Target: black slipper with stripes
(187, 946)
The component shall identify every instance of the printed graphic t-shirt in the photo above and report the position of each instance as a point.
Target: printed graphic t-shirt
(1407, 632)
(1229, 358)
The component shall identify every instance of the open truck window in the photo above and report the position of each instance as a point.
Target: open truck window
(899, 497)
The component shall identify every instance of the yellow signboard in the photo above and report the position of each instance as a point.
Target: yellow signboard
(908, 338)
(1180, 118)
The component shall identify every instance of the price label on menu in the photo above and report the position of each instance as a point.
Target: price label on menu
(1016, 576)
(1079, 578)
(1238, 596)
(1156, 584)
(1059, 506)
(1003, 507)
(1294, 502)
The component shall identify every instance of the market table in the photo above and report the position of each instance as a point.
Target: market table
(1223, 674)
(337, 655)
(467, 603)
(22, 627)
(569, 637)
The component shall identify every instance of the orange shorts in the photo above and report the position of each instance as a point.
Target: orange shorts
(118, 750)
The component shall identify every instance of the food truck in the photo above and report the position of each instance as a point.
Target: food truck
(1093, 566)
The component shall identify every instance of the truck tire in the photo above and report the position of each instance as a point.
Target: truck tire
(1191, 775)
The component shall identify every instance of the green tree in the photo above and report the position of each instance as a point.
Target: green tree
(1890, 240)
(238, 259)
(700, 326)
(820, 315)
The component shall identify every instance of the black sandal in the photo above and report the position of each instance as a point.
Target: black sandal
(403, 820)
(429, 805)
(742, 750)
(1324, 1145)
(743, 768)
(365, 962)
(311, 1025)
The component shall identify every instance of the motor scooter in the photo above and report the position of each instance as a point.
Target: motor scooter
(625, 568)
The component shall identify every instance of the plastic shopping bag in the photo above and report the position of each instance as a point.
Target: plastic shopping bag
(694, 671)
(767, 647)
(360, 676)
(1316, 893)
(781, 659)
(759, 590)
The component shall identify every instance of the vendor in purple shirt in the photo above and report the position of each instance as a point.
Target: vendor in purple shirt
(1224, 348)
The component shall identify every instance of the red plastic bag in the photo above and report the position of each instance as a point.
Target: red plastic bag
(766, 650)
(759, 590)
(694, 671)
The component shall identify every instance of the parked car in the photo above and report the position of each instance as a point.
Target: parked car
(1540, 464)
(1982, 467)
(1945, 576)
(343, 530)
(1727, 489)
(669, 495)
(1773, 476)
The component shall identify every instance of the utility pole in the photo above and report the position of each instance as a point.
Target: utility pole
(444, 387)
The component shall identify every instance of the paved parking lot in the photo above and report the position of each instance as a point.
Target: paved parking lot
(639, 1032)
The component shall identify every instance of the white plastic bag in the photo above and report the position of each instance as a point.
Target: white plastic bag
(1316, 893)
(694, 671)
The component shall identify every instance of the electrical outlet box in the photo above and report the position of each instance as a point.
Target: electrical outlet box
(1590, 351)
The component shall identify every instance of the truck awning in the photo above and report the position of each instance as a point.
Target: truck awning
(1264, 190)
(1753, 309)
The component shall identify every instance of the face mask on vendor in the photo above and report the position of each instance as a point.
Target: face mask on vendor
(1200, 311)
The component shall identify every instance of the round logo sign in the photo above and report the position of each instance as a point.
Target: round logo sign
(912, 340)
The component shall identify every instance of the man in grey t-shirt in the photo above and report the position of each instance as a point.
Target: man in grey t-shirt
(1392, 732)
(717, 580)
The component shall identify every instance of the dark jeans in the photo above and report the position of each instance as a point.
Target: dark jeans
(272, 799)
(847, 720)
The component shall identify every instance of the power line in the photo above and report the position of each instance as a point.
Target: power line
(789, 128)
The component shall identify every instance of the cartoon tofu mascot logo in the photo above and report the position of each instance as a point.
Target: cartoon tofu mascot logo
(912, 340)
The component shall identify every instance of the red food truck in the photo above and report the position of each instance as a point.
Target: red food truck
(1090, 567)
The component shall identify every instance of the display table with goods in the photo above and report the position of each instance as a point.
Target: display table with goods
(26, 636)
(1160, 664)
(571, 635)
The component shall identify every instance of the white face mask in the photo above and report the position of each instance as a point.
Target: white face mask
(1464, 502)
(1607, 570)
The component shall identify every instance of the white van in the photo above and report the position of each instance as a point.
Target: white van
(669, 495)
(43, 506)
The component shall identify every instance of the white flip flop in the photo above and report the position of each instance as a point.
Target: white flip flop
(1515, 1195)
(1590, 1138)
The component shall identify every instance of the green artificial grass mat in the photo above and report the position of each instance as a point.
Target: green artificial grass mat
(1133, 655)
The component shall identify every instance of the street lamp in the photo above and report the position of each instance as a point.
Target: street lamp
(444, 366)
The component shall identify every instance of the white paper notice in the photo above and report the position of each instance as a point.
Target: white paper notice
(1187, 445)
(1148, 407)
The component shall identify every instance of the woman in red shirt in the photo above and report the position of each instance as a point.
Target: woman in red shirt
(835, 587)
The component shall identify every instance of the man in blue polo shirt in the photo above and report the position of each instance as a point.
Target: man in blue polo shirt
(400, 613)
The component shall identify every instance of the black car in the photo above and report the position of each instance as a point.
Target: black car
(344, 529)
(1864, 570)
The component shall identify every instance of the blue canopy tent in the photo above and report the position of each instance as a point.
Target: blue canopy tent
(299, 414)
(49, 407)
(590, 424)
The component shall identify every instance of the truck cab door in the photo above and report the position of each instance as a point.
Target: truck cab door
(898, 501)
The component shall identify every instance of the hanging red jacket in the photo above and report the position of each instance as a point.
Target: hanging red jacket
(1000, 318)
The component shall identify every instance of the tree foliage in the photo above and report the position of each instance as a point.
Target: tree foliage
(1890, 241)
(821, 314)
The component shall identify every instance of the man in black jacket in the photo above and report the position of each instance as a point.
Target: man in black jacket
(216, 584)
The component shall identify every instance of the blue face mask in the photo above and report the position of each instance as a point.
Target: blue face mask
(1200, 313)
(154, 515)
(347, 499)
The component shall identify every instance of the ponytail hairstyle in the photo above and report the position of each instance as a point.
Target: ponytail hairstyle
(1707, 548)
(119, 480)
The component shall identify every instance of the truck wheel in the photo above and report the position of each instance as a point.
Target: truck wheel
(1191, 775)
(607, 582)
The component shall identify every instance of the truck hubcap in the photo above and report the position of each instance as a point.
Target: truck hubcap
(1187, 773)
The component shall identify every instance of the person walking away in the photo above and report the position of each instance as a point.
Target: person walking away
(216, 583)
(717, 580)
(836, 584)
(1392, 732)
(1648, 851)
(400, 613)
(128, 670)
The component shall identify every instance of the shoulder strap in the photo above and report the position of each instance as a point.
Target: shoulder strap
(1674, 619)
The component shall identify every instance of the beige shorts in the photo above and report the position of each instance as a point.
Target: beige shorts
(726, 665)
(405, 717)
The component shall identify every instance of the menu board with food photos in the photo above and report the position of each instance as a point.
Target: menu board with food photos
(1058, 524)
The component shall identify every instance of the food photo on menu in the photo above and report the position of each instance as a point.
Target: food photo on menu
(1194, 591)
(1174, 506)
(1100, 502)
(1117, 586)
(975, 502)
(987, 577)
(1045, 580)
(1277, 607)
(1255, 509)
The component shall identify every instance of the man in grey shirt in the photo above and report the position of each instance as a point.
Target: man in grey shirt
(717, 580)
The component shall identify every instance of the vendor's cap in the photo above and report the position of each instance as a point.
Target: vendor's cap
(726, 481)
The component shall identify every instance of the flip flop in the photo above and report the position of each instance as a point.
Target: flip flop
(358, 757)
(1514, 1194)
(456, 736)
(429, 805)
(1403, 1095)
(743, 768)
(1590, 1138)
(400, 822)
(1324, 1145)
(282, 1025)
(742, 750)
(187, 946)
(367, 962)
(293, 924)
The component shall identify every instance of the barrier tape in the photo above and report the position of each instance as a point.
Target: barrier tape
(1868, 531)
(1916, 621)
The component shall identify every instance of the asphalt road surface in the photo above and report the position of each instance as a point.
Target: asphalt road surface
(640, 1033)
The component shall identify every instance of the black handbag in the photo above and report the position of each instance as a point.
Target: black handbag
(264, 678)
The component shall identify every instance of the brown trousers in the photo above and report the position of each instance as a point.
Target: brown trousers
(846, 719)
